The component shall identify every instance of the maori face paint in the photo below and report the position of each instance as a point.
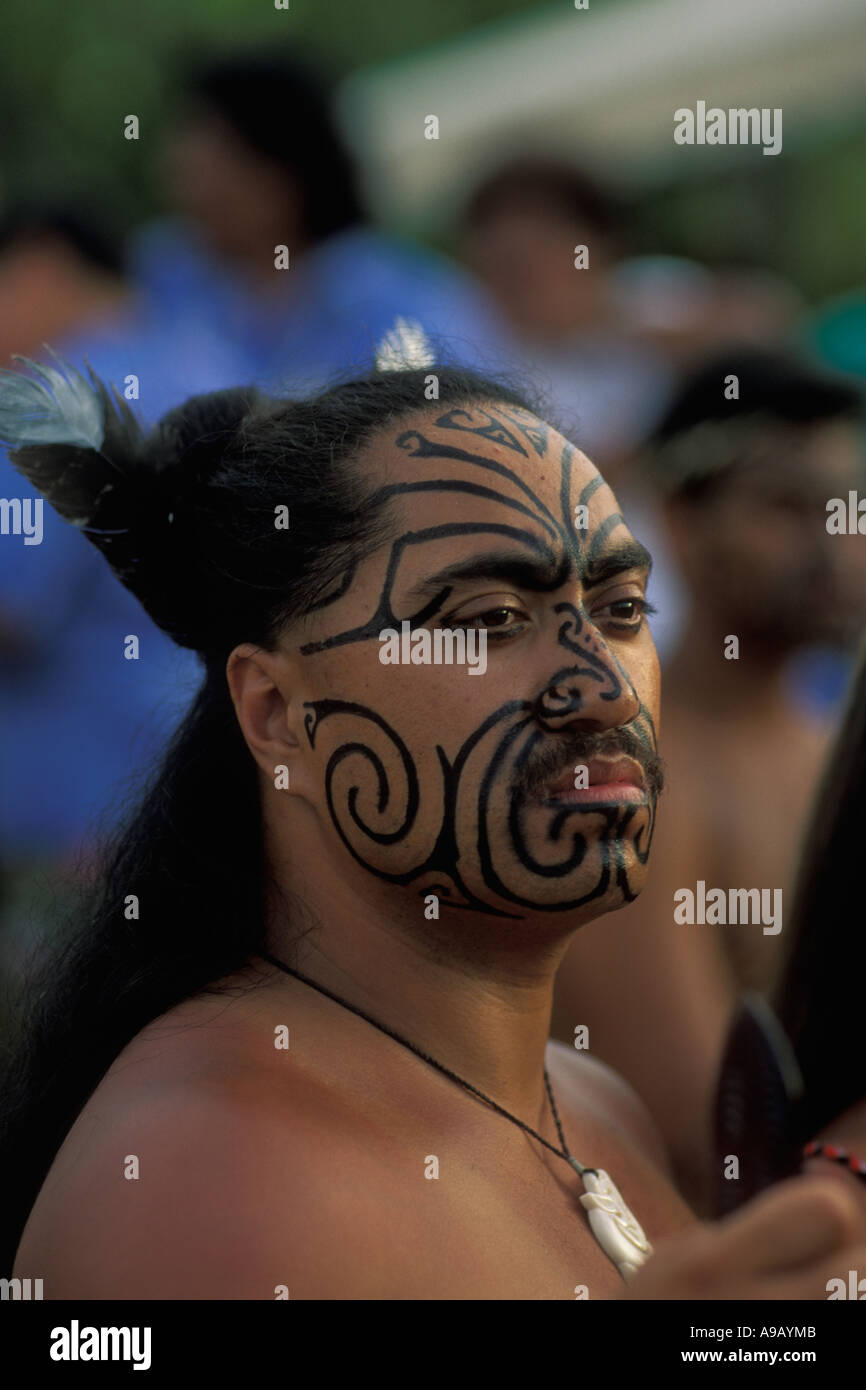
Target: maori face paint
(441, 782)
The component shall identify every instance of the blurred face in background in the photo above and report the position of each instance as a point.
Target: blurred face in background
(523, 251)
(754, 548)
(241, 203)
(48, 289)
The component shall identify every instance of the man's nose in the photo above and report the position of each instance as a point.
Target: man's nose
(591, 689)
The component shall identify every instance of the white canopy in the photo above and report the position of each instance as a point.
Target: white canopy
(601, 85)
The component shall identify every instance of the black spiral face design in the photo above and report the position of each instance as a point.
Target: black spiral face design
(444, 797)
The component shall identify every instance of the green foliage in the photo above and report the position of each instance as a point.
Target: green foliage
(69, 73)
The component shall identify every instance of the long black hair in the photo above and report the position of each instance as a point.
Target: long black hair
(819, 997)
(186, 518)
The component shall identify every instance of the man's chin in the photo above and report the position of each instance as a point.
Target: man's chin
(575, 900)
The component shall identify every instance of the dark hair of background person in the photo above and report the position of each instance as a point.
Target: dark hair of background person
(774, 387)
(281, 108)
(96, 241)
(819, 997)
(536, 180)
(218, 574)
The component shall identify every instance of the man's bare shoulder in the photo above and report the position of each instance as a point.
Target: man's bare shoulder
(595, 1086)
(193, 1171)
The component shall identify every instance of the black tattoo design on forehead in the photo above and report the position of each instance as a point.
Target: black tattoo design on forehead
(372, 783)
(561, 530)
(494, 429)
(535, 430)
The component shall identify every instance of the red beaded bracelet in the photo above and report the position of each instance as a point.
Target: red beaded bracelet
(839, 1155)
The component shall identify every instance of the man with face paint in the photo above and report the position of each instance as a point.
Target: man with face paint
(445, 836)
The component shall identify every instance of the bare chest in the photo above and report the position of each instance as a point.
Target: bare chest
(462, 1221)
(751, 797)
(515, 1241)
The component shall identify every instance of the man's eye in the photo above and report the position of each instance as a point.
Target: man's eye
(494, 621)
(627, 612)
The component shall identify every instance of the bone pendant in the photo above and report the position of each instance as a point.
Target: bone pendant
(613, 1225)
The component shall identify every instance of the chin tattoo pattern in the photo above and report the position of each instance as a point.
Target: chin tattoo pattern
(520, 859)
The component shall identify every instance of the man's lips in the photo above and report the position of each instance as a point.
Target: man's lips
(610, 779)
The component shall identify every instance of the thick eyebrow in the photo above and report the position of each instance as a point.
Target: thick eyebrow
(522, 571)
(532, 574)
(616, 559)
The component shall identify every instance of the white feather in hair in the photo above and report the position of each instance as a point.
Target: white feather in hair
(49, 407)
(76, 442)
(406, 345)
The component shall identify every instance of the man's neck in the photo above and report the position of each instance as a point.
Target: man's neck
(483, 1013)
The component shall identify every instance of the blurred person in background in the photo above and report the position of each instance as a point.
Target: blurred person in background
(60, 270)
(686, 310)
(745, 485)
(64, 280)
(77, 718)
(254, 163)
(834, 335)
(520, 232)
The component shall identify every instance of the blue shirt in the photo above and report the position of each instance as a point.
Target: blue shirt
(341, 298)
(79, 721)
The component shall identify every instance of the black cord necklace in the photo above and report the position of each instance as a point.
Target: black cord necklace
(613, 1224)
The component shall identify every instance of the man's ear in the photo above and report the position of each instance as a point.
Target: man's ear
(266, 704)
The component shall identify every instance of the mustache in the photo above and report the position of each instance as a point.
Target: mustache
(552, 760)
